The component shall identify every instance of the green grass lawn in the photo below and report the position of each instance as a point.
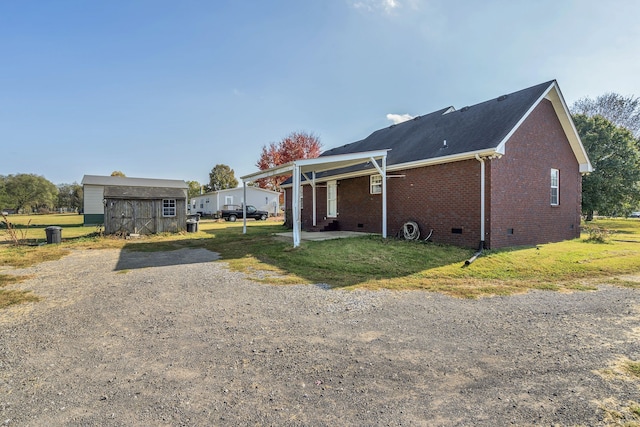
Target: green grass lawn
(368, 262)
(32, 227)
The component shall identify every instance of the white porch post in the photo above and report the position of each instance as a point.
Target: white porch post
(244, 207)
(384, 197)
(382, 170)
(313, 185)
(295, 206)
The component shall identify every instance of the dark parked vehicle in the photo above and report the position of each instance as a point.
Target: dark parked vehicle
(232, 213)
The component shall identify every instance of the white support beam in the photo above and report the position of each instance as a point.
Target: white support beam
(382, 170)
(244, 207)
(295, 207)
(313, 185)
(384, 197)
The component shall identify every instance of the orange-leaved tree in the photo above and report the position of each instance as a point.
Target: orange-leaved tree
(295, 146)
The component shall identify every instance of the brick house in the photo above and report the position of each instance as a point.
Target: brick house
(505, 172)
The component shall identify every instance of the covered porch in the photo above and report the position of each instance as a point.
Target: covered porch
(308, 169)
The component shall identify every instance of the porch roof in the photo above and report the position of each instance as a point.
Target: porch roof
(318, 164)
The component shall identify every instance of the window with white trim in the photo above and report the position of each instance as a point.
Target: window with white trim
(375, 184)
(168, 207)
(555, 187)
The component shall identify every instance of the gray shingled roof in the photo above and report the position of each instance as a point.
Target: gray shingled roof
(148, 193)
(133, 182)
(475, 128)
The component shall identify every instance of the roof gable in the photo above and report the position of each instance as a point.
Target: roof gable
(449, 135)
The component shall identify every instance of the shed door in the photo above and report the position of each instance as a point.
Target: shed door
(119, 217)
(332, 199)
(144, 216)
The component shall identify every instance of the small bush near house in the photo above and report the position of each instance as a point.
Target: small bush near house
(597, 234)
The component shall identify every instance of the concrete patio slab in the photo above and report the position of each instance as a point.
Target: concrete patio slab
(323, 235)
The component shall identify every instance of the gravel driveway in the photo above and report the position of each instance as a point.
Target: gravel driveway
(175, 338)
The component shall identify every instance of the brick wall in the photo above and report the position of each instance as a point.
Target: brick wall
(521, 211)
(446, 198)
(306, 214)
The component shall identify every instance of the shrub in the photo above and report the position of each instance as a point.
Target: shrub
(597, 234)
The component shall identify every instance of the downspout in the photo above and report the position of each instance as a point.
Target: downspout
(482, 212)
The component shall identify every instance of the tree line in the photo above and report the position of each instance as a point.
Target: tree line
(35, 193)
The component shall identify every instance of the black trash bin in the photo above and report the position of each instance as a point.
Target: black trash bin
(192, 226)
(54, 234)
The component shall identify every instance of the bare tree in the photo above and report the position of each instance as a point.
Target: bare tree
(620, 110)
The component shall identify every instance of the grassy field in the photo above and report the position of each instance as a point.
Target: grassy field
(362, 262)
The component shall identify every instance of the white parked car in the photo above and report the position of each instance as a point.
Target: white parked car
(634, 215)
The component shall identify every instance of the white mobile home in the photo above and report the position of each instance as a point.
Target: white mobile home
(210, 203)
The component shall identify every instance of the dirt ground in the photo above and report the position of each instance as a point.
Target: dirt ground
(176, 339)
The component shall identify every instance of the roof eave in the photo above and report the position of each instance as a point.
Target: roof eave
(562, 111)
(486, 153)
(554, 95)
(317, 164)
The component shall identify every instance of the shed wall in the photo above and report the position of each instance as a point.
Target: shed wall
(142, 216)
(93, 199)
(93, 204)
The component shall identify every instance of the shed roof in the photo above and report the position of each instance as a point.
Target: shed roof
(132, 182)
(148, 193)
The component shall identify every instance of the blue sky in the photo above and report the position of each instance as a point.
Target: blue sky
(168, 89)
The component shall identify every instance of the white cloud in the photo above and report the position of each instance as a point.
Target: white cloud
(387, 6)
(399, 118)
